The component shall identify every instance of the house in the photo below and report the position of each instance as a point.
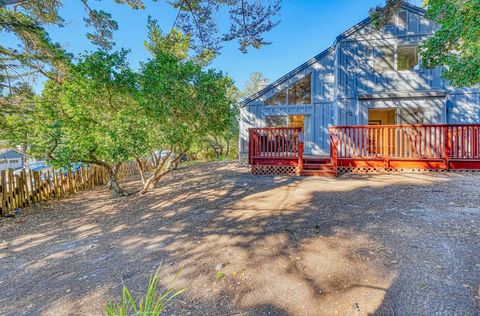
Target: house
(11, 159)
(366, 81)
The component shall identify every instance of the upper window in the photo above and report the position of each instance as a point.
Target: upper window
(402, 18)
(386, 59)
(298, 93)
(399, 19)
(407, 57)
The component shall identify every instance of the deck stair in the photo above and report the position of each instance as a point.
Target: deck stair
(320, 167)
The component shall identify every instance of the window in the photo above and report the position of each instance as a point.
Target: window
(276, 121)
(402, 18)
(407, 57)
(298, 93)
(284, 121)
(385, 59)
(399, 19)
(279, 98)
(14, 161)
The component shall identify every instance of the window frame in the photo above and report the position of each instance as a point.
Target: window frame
(286, 91)
(406, 45)
(395, 69)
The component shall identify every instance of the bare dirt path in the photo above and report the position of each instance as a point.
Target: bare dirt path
(356, 245)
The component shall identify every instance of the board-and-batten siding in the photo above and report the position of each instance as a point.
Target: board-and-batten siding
(345, 71)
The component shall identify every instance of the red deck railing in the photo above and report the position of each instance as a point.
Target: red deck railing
(280, 144)
(427, 142)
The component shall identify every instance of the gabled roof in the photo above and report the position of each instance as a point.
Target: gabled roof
(10, 153)
(310, 62)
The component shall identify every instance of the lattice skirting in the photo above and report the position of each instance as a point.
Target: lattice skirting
(274, 170)
(363, 170)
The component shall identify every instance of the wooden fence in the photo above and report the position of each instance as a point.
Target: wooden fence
(30, 187)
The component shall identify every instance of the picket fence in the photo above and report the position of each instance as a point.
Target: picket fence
(29, 187)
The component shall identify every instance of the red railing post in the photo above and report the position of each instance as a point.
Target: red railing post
(300, 150)
(333, 147)
(250, 146)
(385, 143)
(447, 146)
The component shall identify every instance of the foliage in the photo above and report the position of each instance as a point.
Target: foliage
(37, 53)
(256, 82)
(456, 43)
(17, 117)
(153, 304)
(92, 117)
(183, 104)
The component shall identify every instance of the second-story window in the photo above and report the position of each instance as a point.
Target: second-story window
(404, 57)
(298, 93)
(407, 57)
(385, 59)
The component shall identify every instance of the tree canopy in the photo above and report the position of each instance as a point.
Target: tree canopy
(36, 53)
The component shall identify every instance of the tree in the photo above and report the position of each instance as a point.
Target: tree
(256, 82)
(17, 117)
(37, 54)
(455, 45)
(92, 116)
(182, 103)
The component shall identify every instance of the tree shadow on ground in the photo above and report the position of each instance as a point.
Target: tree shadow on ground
(273, 245)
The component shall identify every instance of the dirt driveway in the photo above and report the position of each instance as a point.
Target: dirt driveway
(250, 245)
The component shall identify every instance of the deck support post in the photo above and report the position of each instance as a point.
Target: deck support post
(447, 147)
(386, 145)
(300, 151)
(333, 148)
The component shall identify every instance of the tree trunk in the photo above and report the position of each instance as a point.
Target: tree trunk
(113, 181)
(141, 169)
(160, 171)
(227, 150)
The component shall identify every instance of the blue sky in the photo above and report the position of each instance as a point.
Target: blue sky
(307, 27)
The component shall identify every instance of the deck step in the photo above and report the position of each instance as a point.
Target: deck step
(317, 166)
(317, 161)
(318, 173)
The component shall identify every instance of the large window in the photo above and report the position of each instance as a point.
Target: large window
(407, 57)
(298, 93)
(385, 59)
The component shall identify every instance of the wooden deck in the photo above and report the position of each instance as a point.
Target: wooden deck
(369, 148)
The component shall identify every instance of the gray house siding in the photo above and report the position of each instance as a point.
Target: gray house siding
(345, 85)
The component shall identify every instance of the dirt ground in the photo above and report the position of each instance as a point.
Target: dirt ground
(250, 245)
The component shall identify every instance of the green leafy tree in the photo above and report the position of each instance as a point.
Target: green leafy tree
(92, 117)
(183, 103)
(17, 117)
(455, 45)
